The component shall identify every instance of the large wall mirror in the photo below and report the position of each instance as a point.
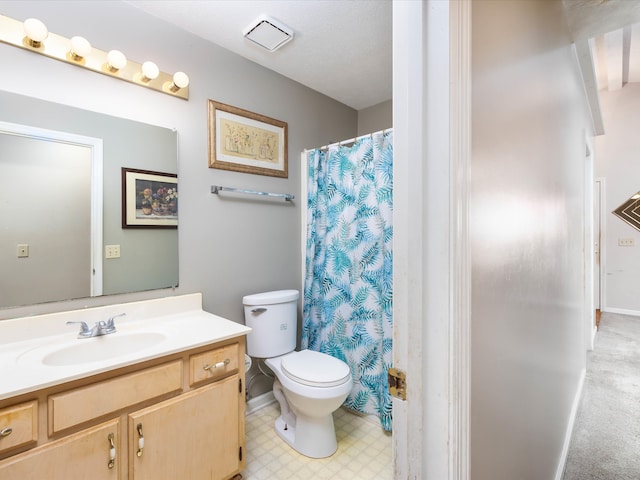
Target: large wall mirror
(64, 204)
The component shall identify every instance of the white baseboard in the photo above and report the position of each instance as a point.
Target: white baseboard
(621, 311)
(592, 345)
(569, 431)
(261, 401)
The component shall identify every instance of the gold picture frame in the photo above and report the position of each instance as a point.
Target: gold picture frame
(243, 141)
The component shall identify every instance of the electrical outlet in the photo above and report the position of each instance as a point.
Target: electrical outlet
(626, 242)
(112, 251)
(23, 250)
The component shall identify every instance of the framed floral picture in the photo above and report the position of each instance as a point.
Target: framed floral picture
(149, 199)
(247, 142)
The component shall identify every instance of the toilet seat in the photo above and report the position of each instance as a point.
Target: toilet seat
(315, 369)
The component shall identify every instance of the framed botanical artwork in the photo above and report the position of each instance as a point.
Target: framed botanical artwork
(244, 141)
(149, 199)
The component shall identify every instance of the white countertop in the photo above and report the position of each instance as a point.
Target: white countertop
(179, 322)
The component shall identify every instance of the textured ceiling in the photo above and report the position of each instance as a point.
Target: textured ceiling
(610, 25)
(590, 18)
(343, 48)
(340, 48)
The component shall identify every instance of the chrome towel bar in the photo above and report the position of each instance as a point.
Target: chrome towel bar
(217, 189)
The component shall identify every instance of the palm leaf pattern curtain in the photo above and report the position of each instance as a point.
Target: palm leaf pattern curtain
(348, 285)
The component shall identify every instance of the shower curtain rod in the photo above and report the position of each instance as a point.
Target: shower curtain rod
(351, 140)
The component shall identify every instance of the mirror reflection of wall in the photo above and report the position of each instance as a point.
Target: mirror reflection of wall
(46, 220)
(148, 257)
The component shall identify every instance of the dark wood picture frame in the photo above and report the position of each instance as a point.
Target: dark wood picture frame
(149, 199)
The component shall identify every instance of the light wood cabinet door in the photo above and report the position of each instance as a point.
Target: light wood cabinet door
(194, 436)
(84, 455)
(18, 425)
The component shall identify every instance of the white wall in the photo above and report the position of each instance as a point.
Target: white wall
(617, 162)
(528, 178)
(229, 246)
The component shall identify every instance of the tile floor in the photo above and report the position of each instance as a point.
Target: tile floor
(364, 450)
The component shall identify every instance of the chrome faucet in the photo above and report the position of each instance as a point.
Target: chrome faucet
(100, 328)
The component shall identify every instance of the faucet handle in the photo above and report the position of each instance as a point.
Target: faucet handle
(110, 322)
(84, 328)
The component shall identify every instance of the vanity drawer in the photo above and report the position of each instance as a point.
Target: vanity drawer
(213, 364)
(18, 425)
(80, 405)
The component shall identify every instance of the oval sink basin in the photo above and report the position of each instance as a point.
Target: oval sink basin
(97, 349)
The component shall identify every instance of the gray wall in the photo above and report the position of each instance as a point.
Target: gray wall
(46, 205)
(617, 162)
(375, 118)
(527, 218)
(229, 246)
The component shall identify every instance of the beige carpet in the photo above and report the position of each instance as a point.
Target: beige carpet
(606, 437)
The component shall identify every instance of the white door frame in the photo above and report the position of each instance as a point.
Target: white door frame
(589, 247)
(431, 121)
(601, 229)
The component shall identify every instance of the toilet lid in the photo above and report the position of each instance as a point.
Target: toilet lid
(315, 369)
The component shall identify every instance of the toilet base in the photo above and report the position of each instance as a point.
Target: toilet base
(312, 437)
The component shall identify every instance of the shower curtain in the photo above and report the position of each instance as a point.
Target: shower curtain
(347, 309)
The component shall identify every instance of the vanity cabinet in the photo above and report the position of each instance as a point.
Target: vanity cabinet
(179, 416)
(193, 436)
(82, 455)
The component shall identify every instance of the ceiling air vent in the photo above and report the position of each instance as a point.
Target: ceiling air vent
(268, 33)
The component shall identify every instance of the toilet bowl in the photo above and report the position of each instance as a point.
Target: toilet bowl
(311, 398)
(309, 385)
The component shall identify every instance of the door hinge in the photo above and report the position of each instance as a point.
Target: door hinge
(240, 453)
(397, 383)
(240, 385)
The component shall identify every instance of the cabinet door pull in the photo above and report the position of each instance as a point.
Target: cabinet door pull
(5, 432)
(112, 452)
(217, 365)
(140, 440)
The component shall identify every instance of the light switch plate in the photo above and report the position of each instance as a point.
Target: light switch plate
(626, 242)
(112, 251)
(23, 250)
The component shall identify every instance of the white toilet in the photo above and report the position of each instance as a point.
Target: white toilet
(309, 385)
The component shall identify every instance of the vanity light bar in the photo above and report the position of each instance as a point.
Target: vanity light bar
(78, 51)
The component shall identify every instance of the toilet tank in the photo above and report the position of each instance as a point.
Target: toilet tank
(273, 318)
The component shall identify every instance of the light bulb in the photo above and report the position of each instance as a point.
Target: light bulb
(180, 80)
(150, 71)
(116, 60)
(80, 48)
(36, 31)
